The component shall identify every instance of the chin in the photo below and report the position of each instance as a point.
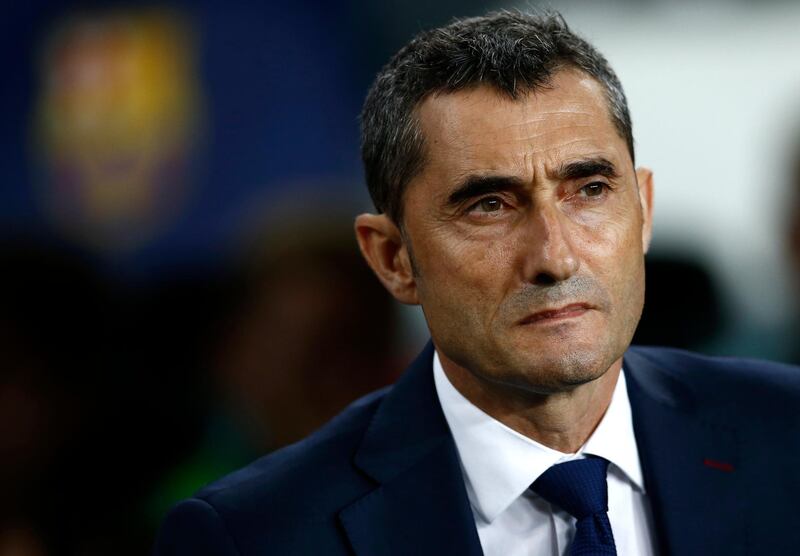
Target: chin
(560, 370)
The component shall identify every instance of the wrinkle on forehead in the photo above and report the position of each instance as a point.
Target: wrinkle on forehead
(577, 94)
(481, 129)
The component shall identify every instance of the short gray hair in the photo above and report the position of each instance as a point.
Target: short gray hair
(513, 52)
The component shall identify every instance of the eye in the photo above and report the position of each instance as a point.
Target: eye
(594, 189)
(487, 204)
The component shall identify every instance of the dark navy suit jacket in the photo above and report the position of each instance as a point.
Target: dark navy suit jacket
(718, 441)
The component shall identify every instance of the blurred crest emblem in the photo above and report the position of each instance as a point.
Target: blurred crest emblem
(116, 123)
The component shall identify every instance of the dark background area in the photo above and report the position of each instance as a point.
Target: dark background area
(180, 289)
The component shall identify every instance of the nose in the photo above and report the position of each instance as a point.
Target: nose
(549, 254)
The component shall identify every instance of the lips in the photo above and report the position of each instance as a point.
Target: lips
(550, 315)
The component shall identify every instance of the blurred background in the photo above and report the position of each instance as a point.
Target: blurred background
(180, 290)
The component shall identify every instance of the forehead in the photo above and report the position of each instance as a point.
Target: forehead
(481, 129)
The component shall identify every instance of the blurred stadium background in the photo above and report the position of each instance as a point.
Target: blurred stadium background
(180, 290)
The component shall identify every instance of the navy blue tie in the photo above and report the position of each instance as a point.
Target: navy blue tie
(579, 488)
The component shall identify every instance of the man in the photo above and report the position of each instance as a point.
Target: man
(499, 154)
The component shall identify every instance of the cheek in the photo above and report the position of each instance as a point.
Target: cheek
(613, 252)
(616, 228)
(613, 243)
(465, 261)
(462, 280)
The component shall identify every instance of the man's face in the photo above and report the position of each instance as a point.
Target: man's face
(527, 230)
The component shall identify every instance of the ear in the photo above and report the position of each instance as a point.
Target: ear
(385, 250)
(644, 177)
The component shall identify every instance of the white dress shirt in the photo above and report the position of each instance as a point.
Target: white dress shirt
(500, 464)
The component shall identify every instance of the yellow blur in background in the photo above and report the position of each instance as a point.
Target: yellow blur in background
(116, 121)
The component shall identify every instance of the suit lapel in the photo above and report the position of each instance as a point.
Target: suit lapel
(689, 462)
(420, 506)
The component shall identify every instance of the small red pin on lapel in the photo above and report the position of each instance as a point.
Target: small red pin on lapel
(721, 465)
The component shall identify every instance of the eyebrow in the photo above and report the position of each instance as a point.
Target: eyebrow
(474, 186)
(597, 166)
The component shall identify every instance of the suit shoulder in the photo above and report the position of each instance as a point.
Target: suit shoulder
(193, 527)
(317, 468)
(284, 503)
(734, 368)
(762, 386)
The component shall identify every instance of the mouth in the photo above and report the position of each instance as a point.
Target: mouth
(571, 311)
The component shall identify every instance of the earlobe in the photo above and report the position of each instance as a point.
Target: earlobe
(644, 177)
(385, 251)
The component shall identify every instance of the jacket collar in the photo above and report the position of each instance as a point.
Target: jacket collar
(421, 505)
(689, 460)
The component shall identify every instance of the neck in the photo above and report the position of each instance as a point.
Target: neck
(563, 420)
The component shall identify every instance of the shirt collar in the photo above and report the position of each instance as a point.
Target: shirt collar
(500, 464)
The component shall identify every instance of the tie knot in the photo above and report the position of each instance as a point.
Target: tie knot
(577, 487)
